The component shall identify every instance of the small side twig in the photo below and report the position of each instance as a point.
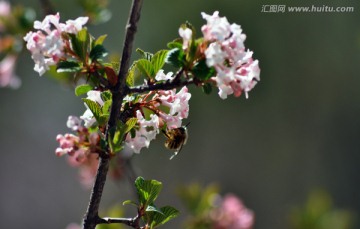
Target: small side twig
(132, 222)
(161, 86)
(127, 221)
(168, 85)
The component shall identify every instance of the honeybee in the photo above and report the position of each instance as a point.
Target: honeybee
(176, 139)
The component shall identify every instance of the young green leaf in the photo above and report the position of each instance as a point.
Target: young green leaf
(126, 202)
(130, 124)
(146, 55)
(105, 95)
(130, 79)
(202, 71)
(158, 219)
(148, 190)
(145, 67)
(83, 89)
(82, 43)
(98, 52)
(158, 60)
(175, 44)
(133, 133)
(100, 40)
(95, 108)
(116, 66)
(115, 140)
(106, 107)
(153, 208)
(207, 88)
(68, 66)
(175, 57)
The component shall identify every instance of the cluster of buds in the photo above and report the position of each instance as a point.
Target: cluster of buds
(49, 43)
(79, 146)
(82, 149)
(236, 70)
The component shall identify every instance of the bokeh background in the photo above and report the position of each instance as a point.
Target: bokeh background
(298, 131)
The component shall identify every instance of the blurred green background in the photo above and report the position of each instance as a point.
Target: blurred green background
(299, 130)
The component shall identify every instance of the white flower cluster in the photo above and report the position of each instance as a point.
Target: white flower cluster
(46, 44)
(177, 105)
(237, 72)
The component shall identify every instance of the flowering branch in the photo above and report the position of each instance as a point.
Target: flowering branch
(91, 218)
(123, 117)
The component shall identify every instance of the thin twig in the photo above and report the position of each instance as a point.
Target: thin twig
(91, 218)
(168, 85)
(161, 86)
(127, 221)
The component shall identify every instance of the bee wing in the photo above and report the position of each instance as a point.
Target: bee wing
(176, 153)
(166, 135)
(172, 156)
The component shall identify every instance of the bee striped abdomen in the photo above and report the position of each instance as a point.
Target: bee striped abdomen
(176, 138)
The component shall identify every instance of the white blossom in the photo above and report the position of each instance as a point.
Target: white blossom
(236, 70)
(46, 44)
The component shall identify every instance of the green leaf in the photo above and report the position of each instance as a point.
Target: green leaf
(117, 134)
(115, 140)
(167, 213)
(153, 208)
(95, 108)
(131, 202)
(175, 44)
(133, 73)
(146, 55)
(158, 60)
(133, 133)
(105, 95)
(130, 124)
(175, 57)
(202, 71)
(130, 79)
(116, 66)
(98, 52)
(82, 43)
(100, 40)
(83, 89)
(145, 67)
(207, 88)
(68, 66)
(148, 190)
(106, 107)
